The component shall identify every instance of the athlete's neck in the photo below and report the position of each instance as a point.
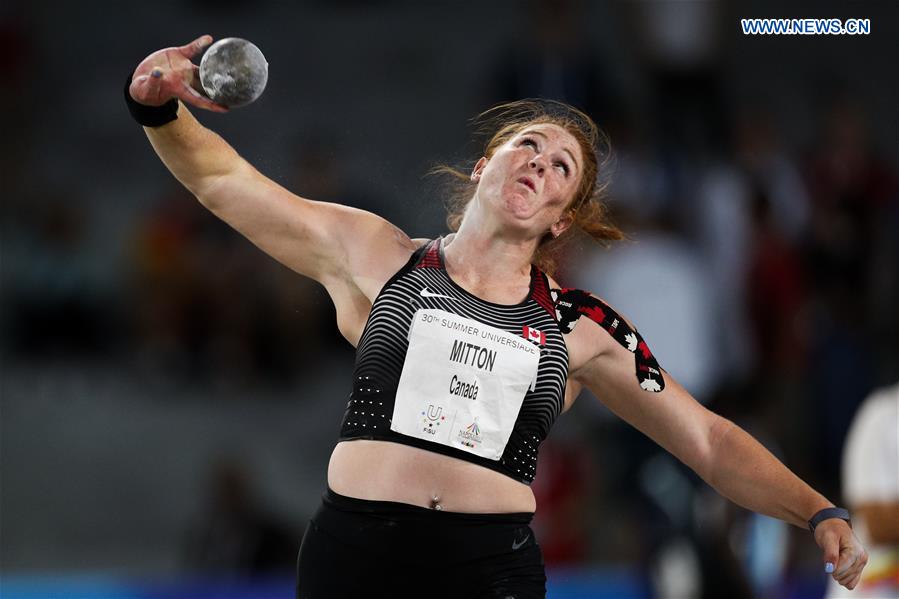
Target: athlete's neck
(494, 264)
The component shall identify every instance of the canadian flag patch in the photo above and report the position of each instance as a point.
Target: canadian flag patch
(538, 337)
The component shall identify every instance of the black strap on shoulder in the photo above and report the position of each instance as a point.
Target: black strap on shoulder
(571, 304)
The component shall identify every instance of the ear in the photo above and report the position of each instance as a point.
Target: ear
(478, 169)
(562, 225)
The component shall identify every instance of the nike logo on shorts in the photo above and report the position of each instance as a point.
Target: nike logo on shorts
(425, 293)
(516, 545)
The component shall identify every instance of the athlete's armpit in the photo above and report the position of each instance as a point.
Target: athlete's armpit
(571, 304)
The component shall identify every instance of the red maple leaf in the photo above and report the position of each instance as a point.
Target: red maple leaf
(644, 349)
(594, 313)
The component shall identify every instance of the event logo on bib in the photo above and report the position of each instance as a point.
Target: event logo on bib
(470, 436)
(431, 419)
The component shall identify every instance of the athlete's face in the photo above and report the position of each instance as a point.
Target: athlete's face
(532, 178)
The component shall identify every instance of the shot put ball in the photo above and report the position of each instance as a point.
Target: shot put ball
(233, 72)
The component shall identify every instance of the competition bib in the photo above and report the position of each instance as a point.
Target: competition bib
(463, 383)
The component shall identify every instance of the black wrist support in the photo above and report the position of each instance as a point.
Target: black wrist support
(150, 116)
(826, 514)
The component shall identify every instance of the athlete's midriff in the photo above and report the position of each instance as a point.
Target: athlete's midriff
(385, 471)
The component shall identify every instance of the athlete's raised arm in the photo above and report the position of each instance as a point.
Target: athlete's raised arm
(350, 251)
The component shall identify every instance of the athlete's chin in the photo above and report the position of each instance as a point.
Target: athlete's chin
(519, 207)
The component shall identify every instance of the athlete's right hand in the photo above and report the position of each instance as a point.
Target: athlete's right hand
(169, 73)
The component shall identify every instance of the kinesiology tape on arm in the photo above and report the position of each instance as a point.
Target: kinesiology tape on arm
(571, 304)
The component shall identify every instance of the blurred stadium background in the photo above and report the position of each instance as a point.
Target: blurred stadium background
(170, 395)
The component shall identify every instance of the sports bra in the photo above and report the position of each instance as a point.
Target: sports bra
(440, 369)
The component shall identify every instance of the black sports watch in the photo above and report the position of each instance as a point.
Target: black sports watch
(827, 514)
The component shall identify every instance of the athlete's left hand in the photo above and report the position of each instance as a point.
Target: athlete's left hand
(842, 549)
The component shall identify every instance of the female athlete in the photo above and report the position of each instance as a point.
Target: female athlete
(467, 351)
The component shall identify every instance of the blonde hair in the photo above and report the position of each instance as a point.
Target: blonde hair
(501, 123)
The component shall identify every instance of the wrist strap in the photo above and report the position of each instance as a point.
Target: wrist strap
(150, 116)
(826, 514)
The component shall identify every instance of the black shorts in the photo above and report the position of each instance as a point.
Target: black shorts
(356, 549)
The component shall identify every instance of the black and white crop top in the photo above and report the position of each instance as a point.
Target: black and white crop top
(440, 369)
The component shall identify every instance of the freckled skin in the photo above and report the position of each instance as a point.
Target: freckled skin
(539, 153)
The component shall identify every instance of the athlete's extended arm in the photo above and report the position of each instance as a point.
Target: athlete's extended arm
(723, 454)
(330, 243)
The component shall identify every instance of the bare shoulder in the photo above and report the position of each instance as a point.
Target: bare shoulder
(375, 249)
(372, 251)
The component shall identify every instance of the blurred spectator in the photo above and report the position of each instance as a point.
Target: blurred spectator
(209, 306)
(169, 307)
(722, 221)
(871, 490)
(563, 489)
(658, 284)
(51, 298)
(552, 58)
(855, 204)
(639, 188)
(853, 195)
(234, 534)
(777, 210)
(776, 295)
(680, 44)
(760, 152)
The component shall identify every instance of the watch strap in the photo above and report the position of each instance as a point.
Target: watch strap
(826, 514)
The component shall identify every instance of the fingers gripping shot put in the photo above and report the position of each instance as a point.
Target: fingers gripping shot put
(232, 73)
(467, 351)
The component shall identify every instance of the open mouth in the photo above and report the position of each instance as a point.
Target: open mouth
(529, 183)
